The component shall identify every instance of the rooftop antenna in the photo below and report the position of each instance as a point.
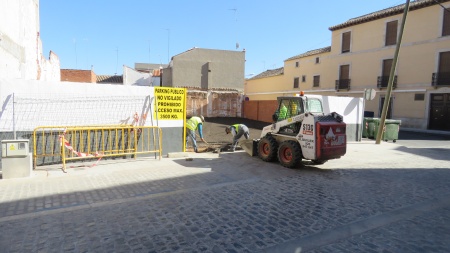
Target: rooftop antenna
(235, 19)
(117, 59)
(149, 56)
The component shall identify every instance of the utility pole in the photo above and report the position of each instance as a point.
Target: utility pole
(391, 76)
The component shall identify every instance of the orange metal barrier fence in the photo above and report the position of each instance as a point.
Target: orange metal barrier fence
(59, 144)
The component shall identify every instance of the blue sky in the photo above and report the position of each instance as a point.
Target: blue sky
(110, 34)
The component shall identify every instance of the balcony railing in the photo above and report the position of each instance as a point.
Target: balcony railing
(343, 84)
(441, 79)
(383, 81)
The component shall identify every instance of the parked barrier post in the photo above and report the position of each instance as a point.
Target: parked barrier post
(63, 152)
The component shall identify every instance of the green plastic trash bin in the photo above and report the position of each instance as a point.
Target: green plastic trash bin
(375, 125)
(370, 122)
(392, 128)
(390, 131)
(365, 128)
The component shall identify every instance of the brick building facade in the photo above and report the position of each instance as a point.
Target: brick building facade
(81, 76)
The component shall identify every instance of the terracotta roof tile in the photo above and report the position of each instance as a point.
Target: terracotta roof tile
(311, 52)
(269, 73)
(109, 79)
(192, 88)
(418, 4)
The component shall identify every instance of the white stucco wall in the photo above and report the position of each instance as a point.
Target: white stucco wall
(134, 77)
(45, 103)
(21, 54)
(352, 109)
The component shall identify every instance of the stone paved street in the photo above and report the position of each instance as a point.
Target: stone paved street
(377, 198)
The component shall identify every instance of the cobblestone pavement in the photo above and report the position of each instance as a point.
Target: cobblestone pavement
(377, 198)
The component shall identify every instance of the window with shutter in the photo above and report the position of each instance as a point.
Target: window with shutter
(383, 80)
(387, 65)
(316, 82)
(296, 82)
(442, 77)
(444, 62)
(346, 42)
(446, 23)
(344, 72)
(391, 33)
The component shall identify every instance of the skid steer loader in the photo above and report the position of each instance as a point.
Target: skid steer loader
(300, 131)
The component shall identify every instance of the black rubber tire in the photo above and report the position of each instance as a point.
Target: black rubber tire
(318, 161)
(267, 148)
(290, 154)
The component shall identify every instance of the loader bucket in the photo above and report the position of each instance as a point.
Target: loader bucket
(250, 146)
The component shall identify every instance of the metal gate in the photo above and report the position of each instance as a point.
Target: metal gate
(59, 144)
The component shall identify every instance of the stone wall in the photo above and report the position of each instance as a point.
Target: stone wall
(214, 103)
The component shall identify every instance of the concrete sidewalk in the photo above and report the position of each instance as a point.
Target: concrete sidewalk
(376, 197)
(358, 153)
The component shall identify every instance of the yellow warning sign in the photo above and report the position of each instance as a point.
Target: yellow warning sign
(12, 147)
(169, 103)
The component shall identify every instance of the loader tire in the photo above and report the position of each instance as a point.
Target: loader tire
(267, 148)
(319, 161)
(289, 154)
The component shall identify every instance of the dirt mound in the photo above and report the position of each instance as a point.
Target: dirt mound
(215, 136)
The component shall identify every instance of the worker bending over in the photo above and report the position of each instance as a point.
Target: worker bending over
(237, 130)
(193, 124)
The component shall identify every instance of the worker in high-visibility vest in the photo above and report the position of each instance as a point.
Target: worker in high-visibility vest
(237, 130)
(282, 113)
(193, 124)
(294, 108)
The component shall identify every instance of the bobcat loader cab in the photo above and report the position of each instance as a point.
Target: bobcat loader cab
(300, 131)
